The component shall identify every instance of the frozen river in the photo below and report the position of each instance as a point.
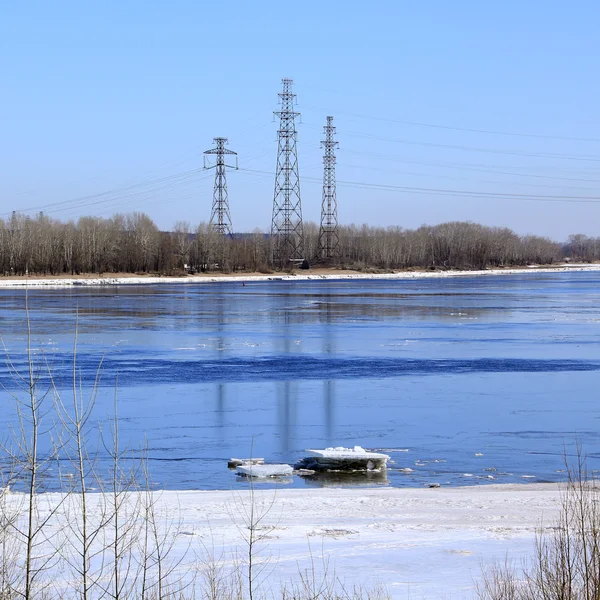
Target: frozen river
(463, 380)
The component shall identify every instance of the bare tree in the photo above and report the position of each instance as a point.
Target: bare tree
(29, 463)
(566, 565)
(86, 522)
(183, 242)
(133, 243)
(122, 509)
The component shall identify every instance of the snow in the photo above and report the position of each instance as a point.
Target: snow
(419, 543)
(341, 453)
(232, 463)
(264, 470)
(305, 276)
(344, 459)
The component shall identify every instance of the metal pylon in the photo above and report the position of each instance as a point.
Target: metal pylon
(329, 240)
(220, 217)
(287, 235)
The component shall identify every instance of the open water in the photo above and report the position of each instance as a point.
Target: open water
(463, 380)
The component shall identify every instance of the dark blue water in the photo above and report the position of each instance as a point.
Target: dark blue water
(464, 380)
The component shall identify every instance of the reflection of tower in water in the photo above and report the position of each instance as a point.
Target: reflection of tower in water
(220, 347)
(328, 384)
(286, 390)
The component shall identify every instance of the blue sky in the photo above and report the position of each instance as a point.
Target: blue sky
(108, 106)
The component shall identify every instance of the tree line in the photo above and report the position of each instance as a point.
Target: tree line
(132, 243)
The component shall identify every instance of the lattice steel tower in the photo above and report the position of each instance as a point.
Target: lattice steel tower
(220, 217)
(329, 240)
(287, 233)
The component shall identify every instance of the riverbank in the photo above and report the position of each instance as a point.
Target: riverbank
(418, 543)
(310, 275)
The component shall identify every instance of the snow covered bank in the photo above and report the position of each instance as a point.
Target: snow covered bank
(419, 543)
(301, 276)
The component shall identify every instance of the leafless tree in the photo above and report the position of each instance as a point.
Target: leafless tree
(183, 242)
(133, 243)
(86, 523)
(29, 463)
(566, 564)
(122, 509)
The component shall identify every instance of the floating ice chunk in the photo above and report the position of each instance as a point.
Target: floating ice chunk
(341, 452)
(344, 459)
(263, 471)
(232, 463)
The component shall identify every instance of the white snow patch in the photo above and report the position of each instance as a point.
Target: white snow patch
(419, 543)
(104, 281)
(250, 470)
(342, 453)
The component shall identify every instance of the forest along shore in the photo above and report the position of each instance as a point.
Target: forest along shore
(309, 275)
(415, 542)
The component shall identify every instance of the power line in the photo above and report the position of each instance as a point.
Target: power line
(88, 200)
(133, 199)
(144, 198)
(452, 192)
(395, 171)
(483, 168)
(470, 148)
(465, 129)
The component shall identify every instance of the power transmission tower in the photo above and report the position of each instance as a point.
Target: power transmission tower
(287, 233)
(220, 217)
(329, 240)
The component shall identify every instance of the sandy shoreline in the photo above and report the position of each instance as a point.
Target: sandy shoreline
(417, 542)
(317, 275)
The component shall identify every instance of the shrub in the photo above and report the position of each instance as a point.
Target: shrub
(566, 564)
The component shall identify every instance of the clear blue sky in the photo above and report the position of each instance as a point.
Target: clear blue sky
(120, 97)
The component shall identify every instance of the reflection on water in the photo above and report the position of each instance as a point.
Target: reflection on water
(478, 379)
(356, 479)
(286, 392)
(329, 384)
(264, 481)
(112, 308)
(220, 319)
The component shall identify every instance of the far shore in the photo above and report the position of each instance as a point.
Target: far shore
(93, 279)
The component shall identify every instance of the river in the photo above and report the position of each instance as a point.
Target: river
(463, 380)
